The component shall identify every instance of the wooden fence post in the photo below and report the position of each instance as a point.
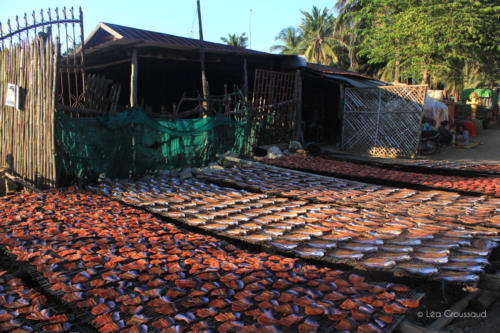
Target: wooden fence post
(133, 79)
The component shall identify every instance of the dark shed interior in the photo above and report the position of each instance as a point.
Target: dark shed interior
(321, 107)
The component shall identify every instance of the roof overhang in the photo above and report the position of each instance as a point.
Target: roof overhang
(355, 82)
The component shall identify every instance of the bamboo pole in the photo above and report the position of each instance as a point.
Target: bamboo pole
(27, 135)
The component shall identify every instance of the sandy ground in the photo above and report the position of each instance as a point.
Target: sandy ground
(487, 151)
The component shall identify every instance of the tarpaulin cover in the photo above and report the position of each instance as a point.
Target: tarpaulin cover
(130, 143)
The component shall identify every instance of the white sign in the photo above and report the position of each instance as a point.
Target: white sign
(12, 97)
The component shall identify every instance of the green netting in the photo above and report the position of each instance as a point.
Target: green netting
(130, 144)
(482, 93)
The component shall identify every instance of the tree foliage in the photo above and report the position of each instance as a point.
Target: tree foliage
(441, 42)
(291, 39)
(317, 36)
(238, 40)
(445, 43)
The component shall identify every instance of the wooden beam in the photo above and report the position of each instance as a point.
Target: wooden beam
(456, 308)
(409, 327)
(21, 182)
(108, 64)
(133, 79)
(485, 299)
(490, 282)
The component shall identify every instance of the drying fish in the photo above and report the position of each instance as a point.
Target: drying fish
(229, 221)
(310, 252)
(394, 308)
(419, 269)
(358, 247)
(284, 244)
(401, 256)
(294, 237)
(431, 257)
(406, 242)
(379, 263)
(215, 227)
(346, 254)
(194, 221)
(473, 251)
(257, 238)
(463, 267)
(468, 259)
(322, 244)
(464, 277)
(236, 232)
(435, 250)
(273, 232)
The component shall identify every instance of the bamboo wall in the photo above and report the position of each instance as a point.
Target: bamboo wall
(27, 135)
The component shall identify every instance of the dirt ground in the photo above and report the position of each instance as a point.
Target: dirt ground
(487, 151)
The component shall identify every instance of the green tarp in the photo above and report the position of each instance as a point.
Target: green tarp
(130, 143)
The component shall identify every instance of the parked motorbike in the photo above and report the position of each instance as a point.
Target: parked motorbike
(429, 143)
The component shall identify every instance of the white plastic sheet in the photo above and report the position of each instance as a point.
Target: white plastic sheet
(436, 110)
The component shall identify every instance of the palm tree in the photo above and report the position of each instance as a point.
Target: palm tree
(238, 40)
(291, 38)
(317, 34)
(345, 28)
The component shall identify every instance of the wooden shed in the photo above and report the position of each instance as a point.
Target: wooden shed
(156, 69)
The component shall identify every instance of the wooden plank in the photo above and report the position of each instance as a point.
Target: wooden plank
(456, 308)
(490, 282)
(485, 299)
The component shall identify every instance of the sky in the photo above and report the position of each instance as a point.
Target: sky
(178, 17)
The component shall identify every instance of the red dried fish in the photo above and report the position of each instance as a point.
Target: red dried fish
(408, 303)
(394, 308)
(99, 309)
(348, 305)
(346, 324)
(308, 326)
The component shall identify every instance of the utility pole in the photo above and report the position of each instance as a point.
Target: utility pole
(250, 28)
(204, 81)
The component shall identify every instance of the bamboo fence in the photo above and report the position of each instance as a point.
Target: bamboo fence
(27, 147)
(383, 121)
(273, 110)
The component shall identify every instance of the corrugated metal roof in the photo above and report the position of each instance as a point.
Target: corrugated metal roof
(357, 83)
(331, 70)
(121, 32)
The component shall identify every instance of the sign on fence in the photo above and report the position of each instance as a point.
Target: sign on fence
(12, 96)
